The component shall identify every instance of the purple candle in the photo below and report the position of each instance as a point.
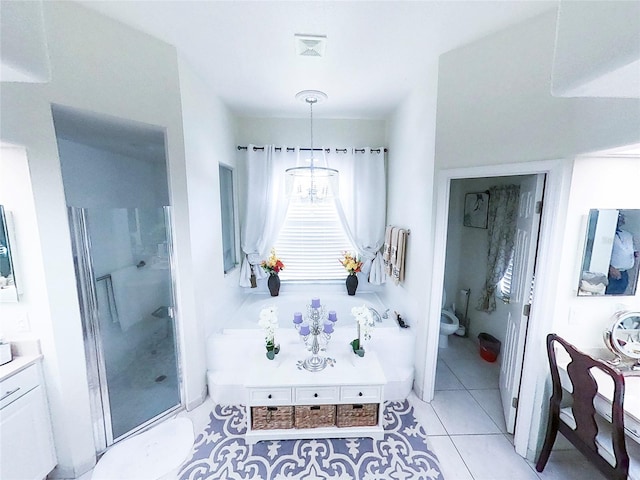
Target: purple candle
(304, 330)
(328, 327)
(297, 318)
(333, 316)
(315, 303)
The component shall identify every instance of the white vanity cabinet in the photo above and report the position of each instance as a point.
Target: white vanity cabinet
(26, 440)
(353, 383)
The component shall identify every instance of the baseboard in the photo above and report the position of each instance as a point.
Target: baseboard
(69, 473)
(196, 402)
(418, 390)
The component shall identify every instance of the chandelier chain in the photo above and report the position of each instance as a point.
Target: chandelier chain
(311, 102)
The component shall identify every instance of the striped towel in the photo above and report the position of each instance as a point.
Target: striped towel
(400, 247)
(386, 252)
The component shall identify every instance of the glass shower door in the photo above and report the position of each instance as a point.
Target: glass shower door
(123, 264)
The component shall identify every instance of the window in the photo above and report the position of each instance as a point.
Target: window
(228, 218)
(311, 242)
(504, 285)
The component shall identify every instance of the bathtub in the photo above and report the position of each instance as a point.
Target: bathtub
(287, 303)
(227, 348)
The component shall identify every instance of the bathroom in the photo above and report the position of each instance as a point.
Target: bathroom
(201, 132)
(465, 313)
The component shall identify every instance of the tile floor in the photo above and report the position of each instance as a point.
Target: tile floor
(466, 427)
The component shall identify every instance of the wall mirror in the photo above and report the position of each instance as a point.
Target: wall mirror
(611, 256)
(8, 290)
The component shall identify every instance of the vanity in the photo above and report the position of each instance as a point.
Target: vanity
(26, 443)
(604, 397)
(287, 402)
(622, 352)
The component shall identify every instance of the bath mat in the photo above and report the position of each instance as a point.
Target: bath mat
(220, 452)
(148, 455)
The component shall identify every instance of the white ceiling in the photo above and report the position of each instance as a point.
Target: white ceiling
(376, 52)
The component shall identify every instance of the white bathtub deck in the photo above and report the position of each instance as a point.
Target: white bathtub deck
(229, 350)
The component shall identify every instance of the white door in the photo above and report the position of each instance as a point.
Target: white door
(524, 255)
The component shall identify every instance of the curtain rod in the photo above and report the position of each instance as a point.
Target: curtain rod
(291, 149)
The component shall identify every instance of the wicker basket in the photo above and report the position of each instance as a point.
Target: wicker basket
(312, 416)
(271, 418)
(357, 415)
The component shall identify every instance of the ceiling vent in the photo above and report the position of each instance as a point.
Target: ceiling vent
(310, 45)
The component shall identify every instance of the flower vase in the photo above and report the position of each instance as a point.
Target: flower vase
(273, 283)
(272, 350)
(357, 346)
(352, 284)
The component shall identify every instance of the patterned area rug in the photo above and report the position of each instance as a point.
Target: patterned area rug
(220, 452)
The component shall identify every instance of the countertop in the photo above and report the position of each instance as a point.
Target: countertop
(17, 364)
(25, 352)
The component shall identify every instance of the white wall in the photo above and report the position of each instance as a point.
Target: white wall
(326, 132)
(209, 133)
(101, 66)
(494, 108)
(410, 199)
(597, 182)
(495, 104)
(16, 196)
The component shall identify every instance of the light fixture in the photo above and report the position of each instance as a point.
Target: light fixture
(312, 183)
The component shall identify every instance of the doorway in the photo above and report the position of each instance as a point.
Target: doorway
(116, 188)
(467, 275)
(558, 178)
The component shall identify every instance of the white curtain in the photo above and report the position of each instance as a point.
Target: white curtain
(266, 205)
(361, 203)
(360, 199)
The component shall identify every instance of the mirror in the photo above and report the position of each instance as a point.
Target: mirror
(8, 291)
(611, 260)
(623, 338)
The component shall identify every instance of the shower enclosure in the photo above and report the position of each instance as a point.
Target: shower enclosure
(123, 265)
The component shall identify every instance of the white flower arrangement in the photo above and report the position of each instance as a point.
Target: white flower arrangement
(365, 320)
(366, 323)
(269, 321)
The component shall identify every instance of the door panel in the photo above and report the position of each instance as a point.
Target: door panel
(524, 255)
(125, 284)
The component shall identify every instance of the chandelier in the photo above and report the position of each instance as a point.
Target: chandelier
(311, 183)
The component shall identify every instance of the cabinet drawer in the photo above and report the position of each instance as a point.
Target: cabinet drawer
(17, 385)
(269, 396)
(361, 394)
(316, 395)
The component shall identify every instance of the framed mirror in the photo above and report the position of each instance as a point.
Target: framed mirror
(611, 255)
(8, 290)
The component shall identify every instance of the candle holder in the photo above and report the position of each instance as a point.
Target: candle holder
(316, 332)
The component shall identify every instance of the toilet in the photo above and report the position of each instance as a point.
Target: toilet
(449, 323)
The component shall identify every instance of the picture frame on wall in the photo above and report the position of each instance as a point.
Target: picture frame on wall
(476, 209)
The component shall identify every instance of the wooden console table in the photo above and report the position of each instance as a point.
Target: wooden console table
(352, 382)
